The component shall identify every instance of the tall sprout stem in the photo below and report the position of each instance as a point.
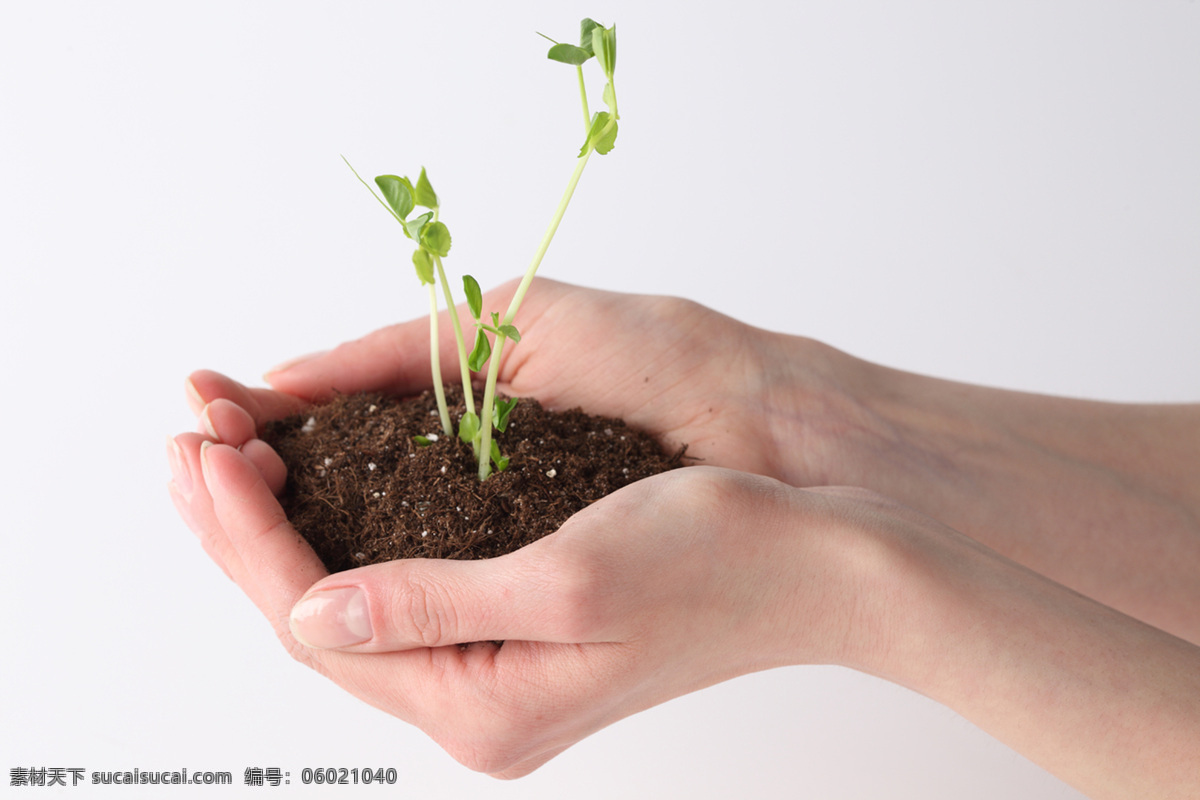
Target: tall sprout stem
(546, 239)
(489, 392)
(468, 395)
(435, 362)
(489, 397)
(587, 115)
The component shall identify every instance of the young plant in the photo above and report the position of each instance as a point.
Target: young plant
(433, 240)
(594, 41)
(400, 197)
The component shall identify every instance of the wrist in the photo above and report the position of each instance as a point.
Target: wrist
(1063, 680)
(836, 420)
(851, 576)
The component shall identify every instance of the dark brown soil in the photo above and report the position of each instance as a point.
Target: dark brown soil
(361, 489)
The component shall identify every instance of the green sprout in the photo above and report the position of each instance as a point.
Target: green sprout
(401, 198)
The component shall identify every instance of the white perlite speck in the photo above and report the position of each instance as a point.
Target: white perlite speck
(371, 466)
(550, 473)
(309, 425)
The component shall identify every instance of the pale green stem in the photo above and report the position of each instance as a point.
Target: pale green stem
(489, 392)
(468, 395)
(435, 362)
(546, 239)
(489, 398)
(587, 115)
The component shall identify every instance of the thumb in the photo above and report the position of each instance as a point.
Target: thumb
(408, 604)
(394, 360)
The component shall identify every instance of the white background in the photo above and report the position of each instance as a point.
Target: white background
(1005, 193)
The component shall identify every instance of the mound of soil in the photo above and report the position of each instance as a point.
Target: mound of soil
(361, 488)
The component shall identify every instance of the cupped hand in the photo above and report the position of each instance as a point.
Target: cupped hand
(667, 586)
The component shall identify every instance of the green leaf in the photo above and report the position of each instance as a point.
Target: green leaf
(436, 239)
(412, 227)
(610, 100)
(503, 409)
(481, 353)
(585, 34)
(500, 461)
(568, 54)
(608, 139)
(424, 195)
(468, 427)
(374, 194)
(511, 332)
(422, 441)
(424, 264)
(602, 135)
(398, 193)
(604, 45)
(495, 320)
(474, 296)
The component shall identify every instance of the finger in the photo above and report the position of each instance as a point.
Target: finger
(183, 507)
(278, 565)
(393, 359)
(268, 463)
(205, 386)
(228, 423)
(192, 500)
(401, 605)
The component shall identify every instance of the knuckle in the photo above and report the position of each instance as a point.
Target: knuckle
(678, 307)
(708, 493)
(860, 496)
(297, 651)
(425, 612)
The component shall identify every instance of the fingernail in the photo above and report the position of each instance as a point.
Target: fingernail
(179, 468)
(193, 395)
(204, 460)
(293, 363)
(332, 618)
(206, 421)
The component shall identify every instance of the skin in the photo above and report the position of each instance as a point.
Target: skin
(1055, 609)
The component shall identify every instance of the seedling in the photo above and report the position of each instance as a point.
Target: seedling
(401, 198)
